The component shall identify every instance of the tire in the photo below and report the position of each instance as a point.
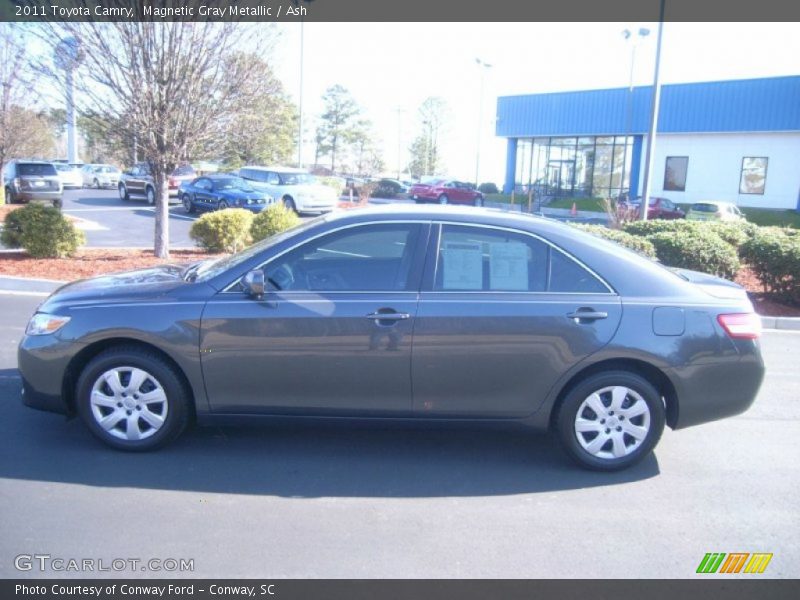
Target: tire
(58, 203)
(167, 412)
(289, 203)
(151, 196)
(222, 205)
(443, 199)
(96, 184)
(478, 200)
(123, 192)
(10, 196)
(641, 407)
(188, 205)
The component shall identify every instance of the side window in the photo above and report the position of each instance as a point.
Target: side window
(273, 179)
(477, 259)
(675, 171)
(489, 260)
(366, 258)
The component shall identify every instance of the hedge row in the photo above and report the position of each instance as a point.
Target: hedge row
(233, 229)
(774, 256)
(633, 242)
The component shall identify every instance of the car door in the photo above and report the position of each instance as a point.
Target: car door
(333, 336)
(502, 315)
(203, 194)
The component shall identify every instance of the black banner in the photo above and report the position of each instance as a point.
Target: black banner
(396, 10)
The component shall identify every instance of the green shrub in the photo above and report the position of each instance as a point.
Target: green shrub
(698, 250)
(735, 233)
(223, 231)
(653, 226)
(272, 220)
(633, 242)
(774, 256)
(42, 231)
(337, 183)
(488, 188)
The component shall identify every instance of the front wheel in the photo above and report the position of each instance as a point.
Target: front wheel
(222, 205)
(10, 196)
(131, 399)
(188, 205)
(443, 199)
(151, 196)
(123, 192)
(611, 420)
(289, 203)
(96, 184)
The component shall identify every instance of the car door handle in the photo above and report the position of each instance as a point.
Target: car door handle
(388, 316)
(587, 314)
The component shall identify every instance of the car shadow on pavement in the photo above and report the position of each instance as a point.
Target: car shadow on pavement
(299, 460)
(112, 199)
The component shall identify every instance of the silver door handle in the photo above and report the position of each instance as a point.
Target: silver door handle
(587, 315)
(389, 316)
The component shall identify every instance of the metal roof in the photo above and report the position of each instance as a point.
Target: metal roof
(771, 104)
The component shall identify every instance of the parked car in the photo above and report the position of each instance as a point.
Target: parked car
(69, 175)
(512, 319)
(218, 192)
(137, 182)
(296, 188)
(182, 174)
(389, 188)
(714, 211)
(100, 176)
(657, 208)
(32, 181)
(446, 191)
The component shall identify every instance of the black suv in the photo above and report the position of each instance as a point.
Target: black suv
(32, 181)
(137, 181)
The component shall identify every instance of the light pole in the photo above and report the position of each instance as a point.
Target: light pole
(68, 55)
(400, 112)
(653, 119)
(300, 124)
(643, 32)
(482, 66)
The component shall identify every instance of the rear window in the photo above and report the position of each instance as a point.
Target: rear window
(704, 207)
(183, 170)
(36, 169)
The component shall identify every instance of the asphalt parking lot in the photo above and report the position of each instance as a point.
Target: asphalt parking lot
(361, 502)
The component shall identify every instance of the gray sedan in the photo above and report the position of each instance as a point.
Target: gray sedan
(403, 313)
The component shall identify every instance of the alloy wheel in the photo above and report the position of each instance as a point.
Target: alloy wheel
(128, 403)
(612, 422)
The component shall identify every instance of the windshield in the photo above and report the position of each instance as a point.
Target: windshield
(709, 208)
(210, 269)
(106, 169)
(232, 183)
(296, 178)
(63, 168)
(183, 170)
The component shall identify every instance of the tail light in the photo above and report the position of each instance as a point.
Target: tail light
(173, 182)
(742, 326)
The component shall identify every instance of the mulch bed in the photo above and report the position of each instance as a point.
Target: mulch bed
(88, 263)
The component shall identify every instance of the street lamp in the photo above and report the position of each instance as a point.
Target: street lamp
(400, 112)
(300, 124)
(482, 66)
(627, 34)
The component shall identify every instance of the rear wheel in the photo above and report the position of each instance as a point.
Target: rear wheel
(96, 184)
(131, 399)
(478, 200)
(611, 420)
(10, 196)
(188, 205)
(151, 196)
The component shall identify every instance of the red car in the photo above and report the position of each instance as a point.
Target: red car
(446, 191)
(659, 208)
(182, 174)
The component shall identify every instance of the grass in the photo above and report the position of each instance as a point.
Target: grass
(590, 204)
(767, 217)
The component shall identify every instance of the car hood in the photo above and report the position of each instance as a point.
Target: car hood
(242, 195)
(712, 285)
(314, 190)
(127, 285)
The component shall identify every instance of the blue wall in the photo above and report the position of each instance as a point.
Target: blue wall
(771, 104)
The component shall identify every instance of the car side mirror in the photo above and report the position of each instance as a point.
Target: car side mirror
(254, 284)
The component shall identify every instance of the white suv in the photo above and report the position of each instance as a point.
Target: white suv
(297, 188)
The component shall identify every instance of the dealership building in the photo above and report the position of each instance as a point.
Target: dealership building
(736, 141)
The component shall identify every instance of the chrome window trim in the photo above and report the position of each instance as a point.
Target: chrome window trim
(610, 289)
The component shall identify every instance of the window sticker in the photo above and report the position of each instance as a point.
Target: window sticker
(508, 266)
(462, 266)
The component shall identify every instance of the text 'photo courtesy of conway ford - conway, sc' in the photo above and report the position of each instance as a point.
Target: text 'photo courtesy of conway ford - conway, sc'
(419, 313)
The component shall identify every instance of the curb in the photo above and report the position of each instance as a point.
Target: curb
(782, 323)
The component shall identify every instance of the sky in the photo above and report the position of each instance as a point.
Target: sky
(391, 66)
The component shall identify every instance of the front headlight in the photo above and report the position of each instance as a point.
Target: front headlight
(43, 324)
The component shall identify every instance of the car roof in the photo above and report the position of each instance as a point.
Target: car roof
(276, 169)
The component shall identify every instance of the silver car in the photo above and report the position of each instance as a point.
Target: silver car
(298, 189)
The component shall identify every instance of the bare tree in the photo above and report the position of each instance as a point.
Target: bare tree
(425, 154)
(168, 85)
(23, 132)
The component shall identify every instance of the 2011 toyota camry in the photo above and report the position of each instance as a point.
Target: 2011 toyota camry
(416, 313)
